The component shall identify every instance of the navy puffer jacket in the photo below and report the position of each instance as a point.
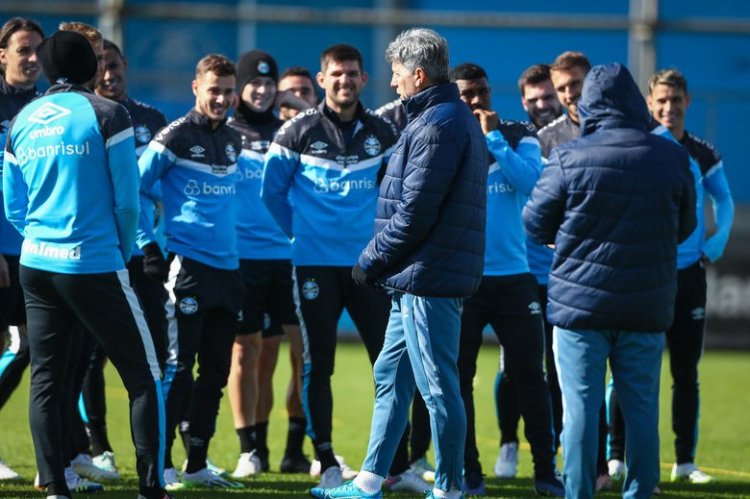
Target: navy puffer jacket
(615, 202)
(430, 221)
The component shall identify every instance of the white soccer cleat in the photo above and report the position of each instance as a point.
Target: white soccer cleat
(408, 481)
(347, 472)
(207, 478)
(106, 461)
(7, 473)
(424, 469)
(332, 477)
(83, 465)
(77, 483)
(617, 469)
(689, 472)
(172, 480)
(506, 465)
(247, 465)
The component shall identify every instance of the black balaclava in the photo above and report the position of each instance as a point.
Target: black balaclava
(67, 56)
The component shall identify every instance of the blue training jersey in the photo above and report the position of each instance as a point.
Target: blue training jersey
(71, 182)
(321, 187)
(196, 165)
(515, 166)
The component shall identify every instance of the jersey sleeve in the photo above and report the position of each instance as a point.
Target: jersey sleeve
(153, 164)
(281, 162)
(717, 187)
(14, 188)
(521, 166)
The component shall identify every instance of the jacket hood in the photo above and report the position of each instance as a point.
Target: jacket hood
(611, 99)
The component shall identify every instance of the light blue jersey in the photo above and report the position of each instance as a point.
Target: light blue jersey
(197, 167)
(513, 173)
(71, 182)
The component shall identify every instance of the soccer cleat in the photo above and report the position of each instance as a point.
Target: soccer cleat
(171, 480)
(295, 464)
(549, 487)
(506, 465)
(208, 478)
(84, 466)
(76, 483)
(331, 478)
(211, 466)
(247, 465)
(106, 461)
(7, 473)
(689, 472)
(424, 469)
(347, 472)
(408, 481)
(473, 484)
(603, 482)
(616, 469)
(344, 491)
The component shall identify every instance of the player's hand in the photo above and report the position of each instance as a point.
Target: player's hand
(359, 276)
(154, 264)
(488, 120)
(4, 273)
(288, 99)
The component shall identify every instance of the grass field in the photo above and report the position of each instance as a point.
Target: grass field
(724, 447)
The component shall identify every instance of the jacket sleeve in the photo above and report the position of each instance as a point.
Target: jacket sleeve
(429, 169)
(688, 219)
(153, 164)
(521, 166)
(278, 175)
(717, 187)
(545, 209)
(14, 190)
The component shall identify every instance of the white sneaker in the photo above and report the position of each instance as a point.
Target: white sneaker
(171, 480)
(689, 472)
(616, 469)
(506, 465)
(424, 469)
(408, 481)
(84, 466)
(208, 478)
(77, 483)
(7, 473)
(106, 461)
(332, 477)
(347, 472)
(247, 465)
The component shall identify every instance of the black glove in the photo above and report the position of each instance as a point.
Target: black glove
(359, 276)
(154, 264)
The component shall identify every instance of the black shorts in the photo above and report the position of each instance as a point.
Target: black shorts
(268, 303)
(12, 310)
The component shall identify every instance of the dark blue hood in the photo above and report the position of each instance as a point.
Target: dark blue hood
(611, 99)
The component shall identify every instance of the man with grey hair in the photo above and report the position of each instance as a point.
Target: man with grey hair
(428, 251)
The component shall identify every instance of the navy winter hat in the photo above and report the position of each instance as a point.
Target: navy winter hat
(253, 64)
(67, 55)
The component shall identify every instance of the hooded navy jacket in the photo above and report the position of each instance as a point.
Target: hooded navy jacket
(430, 220)
(615, 202)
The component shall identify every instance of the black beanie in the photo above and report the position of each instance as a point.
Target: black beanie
(253, 64)
(67, 55)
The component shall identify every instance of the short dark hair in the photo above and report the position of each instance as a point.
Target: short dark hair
(296, 71)
(18, 24)
(110, 45)
(533, 75)
(571, 59)
(93, 35)
(339, 53)
(670, 77)
(215, 63)
(467, 71)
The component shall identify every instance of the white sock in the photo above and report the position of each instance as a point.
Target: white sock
(368, 482)
(439, 493)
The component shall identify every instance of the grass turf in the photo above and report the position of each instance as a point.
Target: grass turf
(723, 450)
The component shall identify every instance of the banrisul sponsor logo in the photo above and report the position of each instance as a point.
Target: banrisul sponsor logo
(26, 154)
(47, 113)
(51, 251)
(194, 188)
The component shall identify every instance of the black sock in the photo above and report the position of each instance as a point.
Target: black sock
(326, 456)
(197, 453)
(247, 439)
(295, 436)
(185, 435)
(261, 436)
(99, 439)
(58, 489)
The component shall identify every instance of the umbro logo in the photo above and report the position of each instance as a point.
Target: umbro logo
(318, 147)
(197, 152)
(48, 113)
(698, 313)
(535, 308)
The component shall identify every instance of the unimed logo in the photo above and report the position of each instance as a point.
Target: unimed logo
(47, 113)
(53, 251)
